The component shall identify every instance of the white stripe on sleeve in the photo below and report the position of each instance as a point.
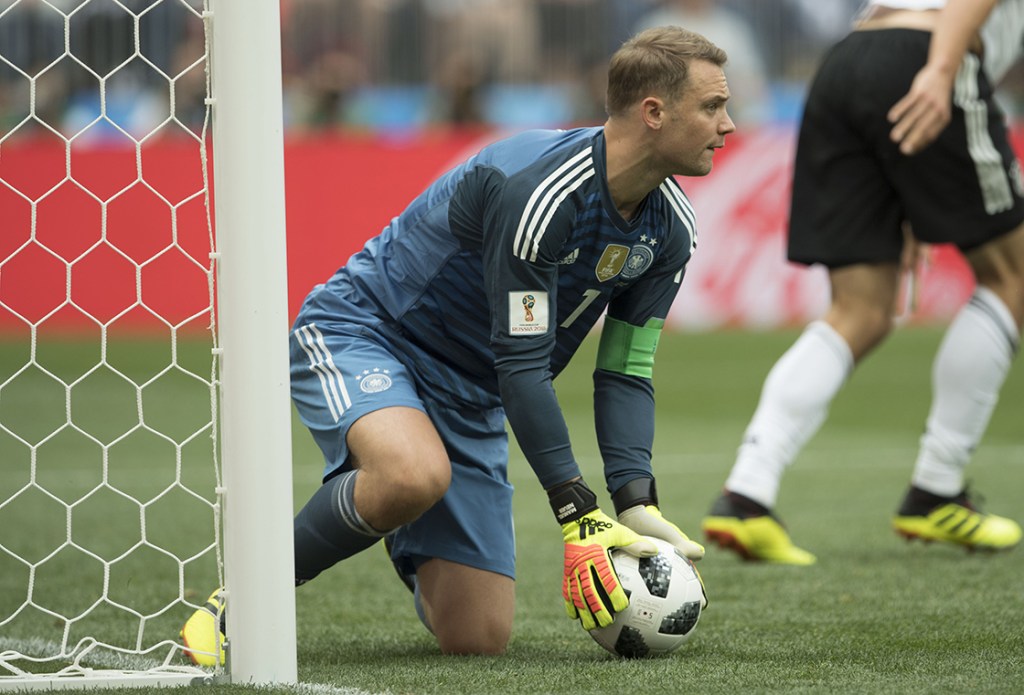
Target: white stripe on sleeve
(541, 198)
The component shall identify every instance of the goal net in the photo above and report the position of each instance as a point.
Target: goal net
(113, 374)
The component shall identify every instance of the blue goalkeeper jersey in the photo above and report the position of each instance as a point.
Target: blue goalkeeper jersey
(495, 274)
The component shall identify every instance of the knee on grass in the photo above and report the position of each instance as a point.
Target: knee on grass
(487, 636)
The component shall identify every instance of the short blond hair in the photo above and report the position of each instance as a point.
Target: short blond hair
(656, 62)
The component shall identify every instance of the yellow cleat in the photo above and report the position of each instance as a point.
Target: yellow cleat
(758, 538)
(203, 633)
(956, 523)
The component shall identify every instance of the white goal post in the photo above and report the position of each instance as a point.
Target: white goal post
(249, 177)
(134, 479)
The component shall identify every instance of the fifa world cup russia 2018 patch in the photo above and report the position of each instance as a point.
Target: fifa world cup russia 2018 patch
(527, 313)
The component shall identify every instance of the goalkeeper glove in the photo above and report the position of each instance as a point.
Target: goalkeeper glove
(590, 586)
(636, 504)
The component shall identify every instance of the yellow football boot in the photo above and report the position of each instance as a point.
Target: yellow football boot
(754, 534)
(958, 522)
(203, 633)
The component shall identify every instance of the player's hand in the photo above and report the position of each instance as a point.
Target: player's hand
(647, 520)
(924, 112)
(590, 586)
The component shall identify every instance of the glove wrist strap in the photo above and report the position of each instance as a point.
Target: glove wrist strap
(572, 501)
(638, 491)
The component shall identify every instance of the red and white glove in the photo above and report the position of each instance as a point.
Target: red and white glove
(590, 586)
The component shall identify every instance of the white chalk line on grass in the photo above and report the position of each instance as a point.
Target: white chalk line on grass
(321, 689)
(116, 661)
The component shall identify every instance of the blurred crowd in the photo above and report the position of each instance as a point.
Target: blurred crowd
(524, 61)
(392, 64)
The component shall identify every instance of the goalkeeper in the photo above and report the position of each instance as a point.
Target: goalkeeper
(407, 362)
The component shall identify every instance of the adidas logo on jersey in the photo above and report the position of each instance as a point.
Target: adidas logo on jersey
(571, 258)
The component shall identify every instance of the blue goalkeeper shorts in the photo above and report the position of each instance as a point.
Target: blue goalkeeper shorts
(342, 371)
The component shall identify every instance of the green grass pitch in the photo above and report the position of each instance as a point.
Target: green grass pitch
(875, 615)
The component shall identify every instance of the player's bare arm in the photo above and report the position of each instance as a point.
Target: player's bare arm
(924, 112)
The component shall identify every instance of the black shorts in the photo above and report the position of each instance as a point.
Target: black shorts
(853, 190)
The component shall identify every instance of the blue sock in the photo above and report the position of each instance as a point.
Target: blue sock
(329, 529)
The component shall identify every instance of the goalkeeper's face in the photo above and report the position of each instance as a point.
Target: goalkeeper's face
(695, 124)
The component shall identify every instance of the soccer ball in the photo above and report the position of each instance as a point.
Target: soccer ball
(665, 602)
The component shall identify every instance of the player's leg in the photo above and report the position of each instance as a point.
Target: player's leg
(459, 556)
(846, 216)
(968, 372)
(469, 610)
(794, 403)
(798, 392)
(975, 202)
(999, 267)
(385, 462)
(397, 469)
(863, 305)
(402, 464)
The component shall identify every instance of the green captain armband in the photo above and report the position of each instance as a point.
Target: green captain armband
(628, 349)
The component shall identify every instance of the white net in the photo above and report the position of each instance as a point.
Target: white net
(109, 481)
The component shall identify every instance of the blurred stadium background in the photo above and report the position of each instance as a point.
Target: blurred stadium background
(385, 65)
(382, 95)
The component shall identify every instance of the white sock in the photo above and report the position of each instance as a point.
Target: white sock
(969, 370)
(794, 403)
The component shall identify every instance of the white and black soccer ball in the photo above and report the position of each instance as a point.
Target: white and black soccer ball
(665, 602)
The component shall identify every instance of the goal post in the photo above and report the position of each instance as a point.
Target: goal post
(253, 319)
(145, 418)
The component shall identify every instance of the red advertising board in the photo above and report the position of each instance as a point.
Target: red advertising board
(96, 235)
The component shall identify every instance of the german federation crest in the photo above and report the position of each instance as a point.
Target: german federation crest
(640, 258)
(374, 381)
